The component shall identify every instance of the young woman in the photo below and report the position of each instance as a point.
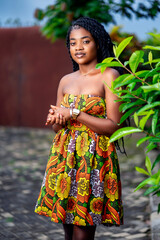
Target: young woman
(81, 186)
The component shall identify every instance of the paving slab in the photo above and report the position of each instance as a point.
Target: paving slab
(23, 157)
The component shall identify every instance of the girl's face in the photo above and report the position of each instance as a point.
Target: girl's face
(83, 48)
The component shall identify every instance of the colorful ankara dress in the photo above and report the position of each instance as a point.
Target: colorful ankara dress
(82, 180)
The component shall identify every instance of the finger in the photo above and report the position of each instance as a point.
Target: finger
(51, 111)
(57, 118)
(64, 121)
(60, 119)
(48, 120)
(53, 107)
(52, 121)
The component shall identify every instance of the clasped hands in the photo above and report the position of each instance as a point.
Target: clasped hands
(57, 115)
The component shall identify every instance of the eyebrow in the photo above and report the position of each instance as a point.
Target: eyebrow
(80, 38)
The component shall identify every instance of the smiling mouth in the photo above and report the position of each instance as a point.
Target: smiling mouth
(80, 54)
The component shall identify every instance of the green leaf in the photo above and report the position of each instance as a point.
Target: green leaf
(151, 190)
(108, 60)
(154, 121)
(144, 119)
(150, 57)
(123, 132)
(127, 114)
(150, 147)
(126, 63)
(132, 104)
(156, 161)
(113, 64)
(148, 106)
(152, 72)
(153, 61)
(148, 164)
(141, 170)
(156, 78)
(153, 87)
(155, 139)
(150, 181)
(122, 46)
(140, 141)
(131, 86)
(115, 50)
(99, 65)
(158, 64)
(155, 35)
(151, 47)
(135, 118)
(135, 59)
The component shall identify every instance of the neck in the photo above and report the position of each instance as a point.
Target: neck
(85, 69)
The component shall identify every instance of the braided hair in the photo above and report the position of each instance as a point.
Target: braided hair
(101, 38)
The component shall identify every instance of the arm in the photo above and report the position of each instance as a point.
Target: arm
(55, 119)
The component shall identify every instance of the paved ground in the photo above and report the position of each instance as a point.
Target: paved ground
(23, 156)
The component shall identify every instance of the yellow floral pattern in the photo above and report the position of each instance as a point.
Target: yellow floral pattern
(111, 186)
(82, 144)
(82, 183)
(63, 185)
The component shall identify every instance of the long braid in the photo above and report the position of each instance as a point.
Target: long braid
(102, 40)
(99, 34)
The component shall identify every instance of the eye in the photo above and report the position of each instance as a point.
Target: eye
(72, 43)
(86, 41)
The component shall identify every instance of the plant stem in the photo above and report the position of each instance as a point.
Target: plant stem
(136, 96)
(132, 72)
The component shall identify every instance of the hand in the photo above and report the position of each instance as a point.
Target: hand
(65, 112)
(53, 118)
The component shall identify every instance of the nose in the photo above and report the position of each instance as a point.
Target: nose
(79, 46)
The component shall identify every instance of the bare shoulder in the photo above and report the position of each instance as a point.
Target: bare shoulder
(68, 77)
(65, 79)
(109, 75)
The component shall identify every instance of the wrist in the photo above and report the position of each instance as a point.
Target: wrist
(74, 113)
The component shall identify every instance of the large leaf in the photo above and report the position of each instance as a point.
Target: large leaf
(154, 121)
(150, 181)
(136, 118)
(140, 141)
(151, 190)
(107, 60)
(148, 164)
(122, 46)
(123, 132)
(153, 87)
(149, 106)
(150, 147)
(155, 35)
(153, 61)
(135, 59)
(152, 47)
(127, 114)
(144, 119)
(125, 106)
(141, 170)
(152, 72)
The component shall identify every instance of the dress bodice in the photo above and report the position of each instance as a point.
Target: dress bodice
(91, 104)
